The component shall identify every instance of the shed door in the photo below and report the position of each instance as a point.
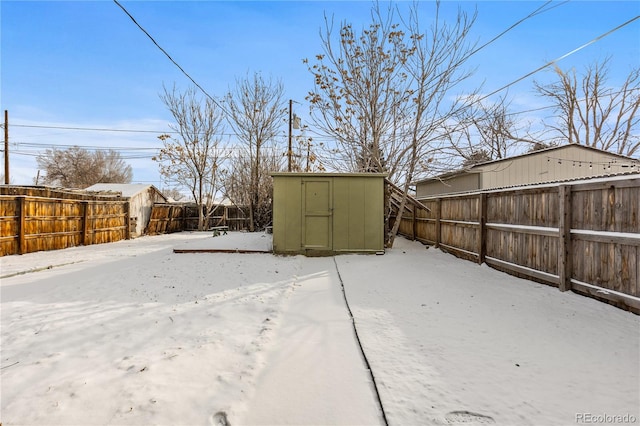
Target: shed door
(317, 213)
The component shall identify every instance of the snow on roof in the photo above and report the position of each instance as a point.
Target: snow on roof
(127, 189)
(223, 202)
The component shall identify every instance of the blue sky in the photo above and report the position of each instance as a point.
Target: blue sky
(85, 64)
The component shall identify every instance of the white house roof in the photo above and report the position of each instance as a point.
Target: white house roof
(127, 189)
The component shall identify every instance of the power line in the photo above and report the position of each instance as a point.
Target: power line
(169, 56)
(534, 13)
(315, 136)
(578, 100)
(545, 66)
(114, 148)
(56, 145)
(538, 11)
(600, 37)
(281, 136)
(92, 129)
(34, 149)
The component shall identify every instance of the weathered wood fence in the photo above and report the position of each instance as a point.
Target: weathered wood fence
(52, 220)
(168, 218)
(40, 218)
(582, 237)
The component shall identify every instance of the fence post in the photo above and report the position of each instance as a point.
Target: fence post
(482, 224)
(22, 225)
(438, 230)
(85, 222)
(184, 217)
(127, 220)
(564, 241)
(167, 228)
(413, 223)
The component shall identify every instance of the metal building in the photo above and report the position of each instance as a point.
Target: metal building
(555, 164)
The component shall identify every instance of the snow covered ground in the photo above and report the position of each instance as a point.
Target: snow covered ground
(132, 333)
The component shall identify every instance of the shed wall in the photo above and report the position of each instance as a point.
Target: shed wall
(141, 204)
(287, 214)
(357, 219)
(358, 223)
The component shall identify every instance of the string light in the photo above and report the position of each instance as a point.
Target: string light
(605, 164)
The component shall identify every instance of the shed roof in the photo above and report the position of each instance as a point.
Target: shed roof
(127, 190)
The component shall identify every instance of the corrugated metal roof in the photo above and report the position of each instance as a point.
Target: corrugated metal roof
(557, 148)
(607, 178)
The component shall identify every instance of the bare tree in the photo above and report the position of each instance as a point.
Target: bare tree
(385, 94)
(239, 182)
(195, 158)
(304, 156)
(76, 167)
(359, 91)
(593, 114)
(487, 131)
(257, 113)
(173, 193)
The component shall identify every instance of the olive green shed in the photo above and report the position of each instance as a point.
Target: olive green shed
(328, 213)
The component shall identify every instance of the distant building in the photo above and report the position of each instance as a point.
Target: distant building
(141, 198)
(567, 162)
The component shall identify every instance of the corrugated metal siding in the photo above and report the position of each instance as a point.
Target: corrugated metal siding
(565, 163)
(461, 183)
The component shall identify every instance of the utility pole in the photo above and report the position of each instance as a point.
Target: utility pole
(6, 147)
(290, 124)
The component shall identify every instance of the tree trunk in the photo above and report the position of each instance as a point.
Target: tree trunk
(200, 206)
(251, 217)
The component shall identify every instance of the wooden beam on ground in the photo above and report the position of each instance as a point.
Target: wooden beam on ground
(241, 251)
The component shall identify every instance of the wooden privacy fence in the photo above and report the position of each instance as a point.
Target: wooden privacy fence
(39, 218)
(168, 218)
(583, 237)
(35, 223)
